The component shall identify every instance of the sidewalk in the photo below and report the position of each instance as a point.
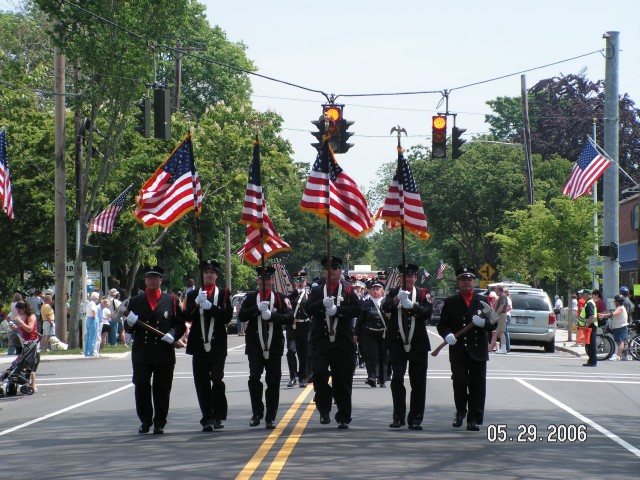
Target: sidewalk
(563, 345)
(6, 360)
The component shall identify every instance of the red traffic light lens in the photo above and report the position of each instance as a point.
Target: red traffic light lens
(439, 122)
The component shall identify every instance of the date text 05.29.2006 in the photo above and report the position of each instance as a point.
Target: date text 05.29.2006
(561, 433)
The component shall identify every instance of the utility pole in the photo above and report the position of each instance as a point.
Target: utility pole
(227, 255)
(177, 76)
(60, 227)
(610, 229)
(526, 139)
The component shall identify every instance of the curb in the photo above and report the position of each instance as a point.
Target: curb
(568, 350)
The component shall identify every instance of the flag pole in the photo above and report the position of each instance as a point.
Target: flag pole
(399, 131)
(263, 271)
(196, 214)
(327, 205)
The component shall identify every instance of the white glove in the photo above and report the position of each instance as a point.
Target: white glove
(451, 339)
(201, 298)
(132, 318)
(407, 304)
(327, 302)
(263, 306)
(168, 338)
(332, 310)
(403, 295)
(478, 321)
(266, 315)
(206, 305)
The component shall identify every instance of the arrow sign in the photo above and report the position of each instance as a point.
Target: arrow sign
(486, 271)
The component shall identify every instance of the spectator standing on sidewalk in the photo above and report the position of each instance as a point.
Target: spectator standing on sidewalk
(48, 323)
(619, 321)
(92, 323)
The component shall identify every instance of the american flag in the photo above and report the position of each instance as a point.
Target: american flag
(255, 216)
(105, 220)
(172, 191)
(348, 209)
(441, 269)
(403, 202)
(5, 179)
(586, 171)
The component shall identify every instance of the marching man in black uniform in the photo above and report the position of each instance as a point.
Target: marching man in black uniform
(332, 342)
(152, 356)
(370, 333)
(209, 310)
(267, 313)
(408, 344)
(298, 332)
(468, 355)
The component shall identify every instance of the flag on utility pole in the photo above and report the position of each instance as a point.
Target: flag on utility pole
(589, 167)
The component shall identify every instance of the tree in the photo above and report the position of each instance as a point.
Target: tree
(561, 112)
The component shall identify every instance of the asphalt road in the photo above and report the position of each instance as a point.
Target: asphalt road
(546, 417)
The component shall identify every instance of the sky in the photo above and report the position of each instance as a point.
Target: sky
(367, 47)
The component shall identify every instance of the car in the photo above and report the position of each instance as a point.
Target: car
(437, 304)
(236, 301)
(533, 321)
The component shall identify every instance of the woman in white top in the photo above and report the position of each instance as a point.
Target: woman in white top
(619, 322)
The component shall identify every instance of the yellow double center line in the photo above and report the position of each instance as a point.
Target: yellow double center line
(278, 463)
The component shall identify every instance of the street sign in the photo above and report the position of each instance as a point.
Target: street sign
(484, 283)
(70, 269)
(486, 271)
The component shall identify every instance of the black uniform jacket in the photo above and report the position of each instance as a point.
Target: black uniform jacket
(348, 310)
(294, 298)
(369, 319)
(455, 315)
(281, 315)
(220, 314)
(148, 348)
(421, 311)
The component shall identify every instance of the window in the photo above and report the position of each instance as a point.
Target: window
(635, 217)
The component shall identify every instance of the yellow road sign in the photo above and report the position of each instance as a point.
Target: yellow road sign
(486, 271)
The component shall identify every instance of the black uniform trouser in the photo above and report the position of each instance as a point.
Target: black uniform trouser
(374, 349)
(273, 372)
(341, 364)
(159, 389)
(417, 381)
(469, 387)
(298, 350)
(208, 372)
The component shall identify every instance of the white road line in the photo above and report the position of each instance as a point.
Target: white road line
(64, 410)
(582, 418)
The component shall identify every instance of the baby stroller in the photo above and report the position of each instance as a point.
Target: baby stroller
(17, 378)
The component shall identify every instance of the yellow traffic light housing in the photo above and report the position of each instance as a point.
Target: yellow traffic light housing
(439, 136)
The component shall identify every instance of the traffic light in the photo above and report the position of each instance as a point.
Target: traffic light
(144, 117)
(456, 142)
(344, 136)
(319, 134)
(161, 114)
(439, 136)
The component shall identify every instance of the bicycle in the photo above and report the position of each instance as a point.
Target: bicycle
(605, 345)
(633, 340)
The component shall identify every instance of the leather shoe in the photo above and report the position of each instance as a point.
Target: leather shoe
(396, 424)
(217, 425)
(415, 426)
(292, 383)
(303, 384)
(589, 364)
(324, 419)
(158, 430)
(207, 428)
(269, 425)
(144, 428)
(371, 382)
(473, 427)
(255, 421)
(343, 426)
(457, 421)
(383, 385)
